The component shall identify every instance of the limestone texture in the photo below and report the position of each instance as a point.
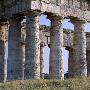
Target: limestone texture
(32, 62)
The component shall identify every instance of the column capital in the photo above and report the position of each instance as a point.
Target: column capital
(77, 21)
(33, 13)
(54, 17)
(78, 25)
(17, 18)
(56, 21)
(3, 22)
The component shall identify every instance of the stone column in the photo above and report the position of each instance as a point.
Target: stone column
(88, 62)
(42, 59)
(22, 59)
(56, 69)
(32, 62)
(71, 62)
(80, 48)
(14, 61)
(3, 67)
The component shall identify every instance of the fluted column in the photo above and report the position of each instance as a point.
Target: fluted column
(14, 61)
(22, 53)
(42, 59)
(32, 62)
(3, 67)
(80, 48)
(88, 62)
(71, 62)
(56, 69)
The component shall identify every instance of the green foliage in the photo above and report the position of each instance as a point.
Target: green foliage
(46, 28)
(70, 84)
(67, 31)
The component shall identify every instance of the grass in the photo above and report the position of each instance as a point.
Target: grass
(70, 84)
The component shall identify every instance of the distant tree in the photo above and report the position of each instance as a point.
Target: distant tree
(66, 75)
(46, 28)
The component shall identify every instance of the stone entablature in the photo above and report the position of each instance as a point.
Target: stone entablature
(78, 9)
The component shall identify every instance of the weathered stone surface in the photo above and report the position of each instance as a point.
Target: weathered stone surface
(88, 62)
(32, 62)
(56, 70)
(71, 63)
(42, 44)
(3, 67)
(88, 53)
(80, 48)
(14, 61)
(63, 8)
(22, 56)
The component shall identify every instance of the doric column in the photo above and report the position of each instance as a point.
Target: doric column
(56, 69)
(14, 61)
(42, 44)
(88, 62)
(71, 62)
(80, 48)
(32, 62)
(3, 67)
(22, 53)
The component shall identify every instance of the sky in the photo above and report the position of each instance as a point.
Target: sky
(67, 25)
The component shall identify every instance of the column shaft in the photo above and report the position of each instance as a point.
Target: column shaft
(56, 69)
(14, 60)
(71, 63)
(22, 59)
(41, 60)
(3, 67)
(80, 48)
(32, 62)
(88, 62)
